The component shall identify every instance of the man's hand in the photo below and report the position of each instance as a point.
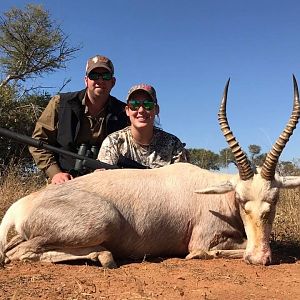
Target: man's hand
(61, 177)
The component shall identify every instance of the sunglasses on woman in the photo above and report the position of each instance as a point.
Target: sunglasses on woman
(136, 104)
(96, 76)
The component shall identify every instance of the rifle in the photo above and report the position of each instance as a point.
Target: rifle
(87, 162)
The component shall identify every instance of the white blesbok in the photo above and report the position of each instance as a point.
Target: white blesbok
(178, 210)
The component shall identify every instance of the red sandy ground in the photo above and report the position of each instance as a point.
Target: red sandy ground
(169, 279)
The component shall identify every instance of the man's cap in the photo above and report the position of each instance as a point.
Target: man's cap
(99, 61)
(143, 87)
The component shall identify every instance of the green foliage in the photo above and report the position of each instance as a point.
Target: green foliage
(205, 159)
(288, 168)
(21, 115)
(259, 159)
(226, 157)
(31, 44)
(18, 115)
(256, 158)
(254, 150)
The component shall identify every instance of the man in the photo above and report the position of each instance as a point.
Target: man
(76, 120)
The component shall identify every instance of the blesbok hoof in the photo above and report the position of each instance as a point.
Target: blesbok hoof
(106, 259)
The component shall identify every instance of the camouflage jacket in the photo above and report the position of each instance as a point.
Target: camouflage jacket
(164, 149)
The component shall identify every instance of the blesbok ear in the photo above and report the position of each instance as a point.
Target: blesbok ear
(217, 189)
(288, 182)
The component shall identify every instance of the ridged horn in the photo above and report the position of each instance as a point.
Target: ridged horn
(270, 163)
(245, 170)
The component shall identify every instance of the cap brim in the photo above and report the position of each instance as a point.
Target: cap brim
(141, 89)
(98, 65)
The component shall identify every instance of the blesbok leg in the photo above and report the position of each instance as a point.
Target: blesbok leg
(16, 240)
(32, 250)
(96, 253)
(202, 254)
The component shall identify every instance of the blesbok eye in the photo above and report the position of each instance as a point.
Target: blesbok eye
(247, 211)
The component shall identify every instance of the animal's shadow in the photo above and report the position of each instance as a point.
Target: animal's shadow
(119, 262)
(285, 252)
(282, 253)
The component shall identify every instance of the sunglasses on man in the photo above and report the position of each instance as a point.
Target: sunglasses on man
(96, 76)
(136, 104)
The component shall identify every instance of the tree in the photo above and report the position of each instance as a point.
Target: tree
(205, 159)
(258, 160)
(288, 168)
(226, 157)
(253, 150)
(31, 44)
(209, 160)
(18, 116)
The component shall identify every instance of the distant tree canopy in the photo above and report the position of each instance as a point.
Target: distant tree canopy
(205, 159)
(209, 160)
(256, 158)
(289, 168)
(226, 157)
(31, 45)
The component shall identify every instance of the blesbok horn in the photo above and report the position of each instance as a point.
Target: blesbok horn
(270, 163)
(244, 167)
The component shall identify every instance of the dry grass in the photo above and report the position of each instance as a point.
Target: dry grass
(286, 226)
(14, 186)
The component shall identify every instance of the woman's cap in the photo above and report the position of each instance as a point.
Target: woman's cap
(143, 87)
(99, 61)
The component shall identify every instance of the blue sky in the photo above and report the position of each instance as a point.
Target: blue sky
(187, 50)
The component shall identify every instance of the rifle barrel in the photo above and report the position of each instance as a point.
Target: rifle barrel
(88, 162)
(24, 139)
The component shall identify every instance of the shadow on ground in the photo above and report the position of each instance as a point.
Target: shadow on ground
(285, 252)
(282, 253)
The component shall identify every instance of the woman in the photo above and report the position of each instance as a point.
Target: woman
(142, 141)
